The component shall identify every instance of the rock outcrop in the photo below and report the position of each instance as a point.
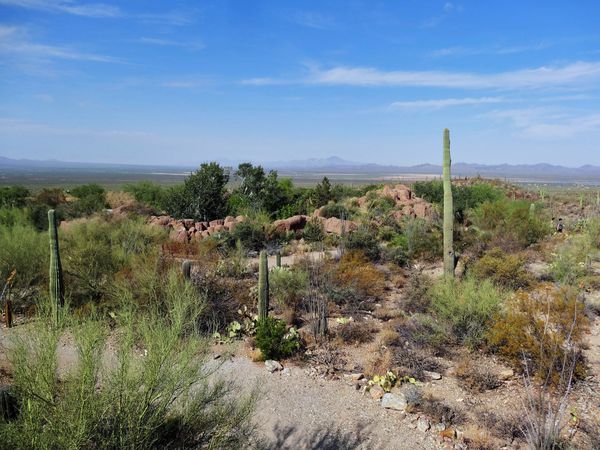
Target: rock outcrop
(407, 203)
(186, 230)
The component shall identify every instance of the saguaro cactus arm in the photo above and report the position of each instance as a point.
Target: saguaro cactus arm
(448, 210)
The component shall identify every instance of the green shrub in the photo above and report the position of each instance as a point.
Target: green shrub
(95, 250)
(510, 224)
(273, 340)
(468, 305)
(313, 231)
(24, 249)
(364, 240)
(13, 196)
(571, 260)
(251, 234)
(422, 238)
(155, 392)
(335, 210)
(288, 286)
(464, 197)
(379, 206)
(504, 269)
(544, 328)
(91, 198)
(147, 192)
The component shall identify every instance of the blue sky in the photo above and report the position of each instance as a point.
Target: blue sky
(180, 82)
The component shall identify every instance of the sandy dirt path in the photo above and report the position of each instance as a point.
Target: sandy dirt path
(297, 411)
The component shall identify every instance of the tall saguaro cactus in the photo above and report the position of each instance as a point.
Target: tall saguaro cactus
(57, 286)
(448, 210)
(263, 286)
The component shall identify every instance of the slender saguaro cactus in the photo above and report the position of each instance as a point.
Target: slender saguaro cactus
(532, 210)
(278, 259)
(448, 210)
(186, 269)
(57, 285)
(263, 286)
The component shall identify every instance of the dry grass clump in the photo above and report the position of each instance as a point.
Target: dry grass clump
(355, 332)
(440, 412)
(506, 427)
(415, 298)
(476, 379)
(357, 272)
(390, 338)
(413, 363)
(116, 199)
(385, 314)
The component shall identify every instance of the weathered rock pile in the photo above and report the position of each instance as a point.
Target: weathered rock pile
(331, 225)
(185, 230)
(407, 203)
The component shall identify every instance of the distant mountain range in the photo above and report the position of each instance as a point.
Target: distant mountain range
(334, 165)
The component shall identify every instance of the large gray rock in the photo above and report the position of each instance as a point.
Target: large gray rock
(394, 401)
(273, 366)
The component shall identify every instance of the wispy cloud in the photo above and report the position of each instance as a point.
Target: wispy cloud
(490, 50)
(13, 125)
(14, 41)
(99, 10)
(444, 103)
(547, 122)
(448, 9)
(172, 43)
(570, 75)
(312, 19)
(173, 18)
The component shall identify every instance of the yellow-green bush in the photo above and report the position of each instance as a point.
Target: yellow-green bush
(504, 269)
(544, 327)
(468, 305)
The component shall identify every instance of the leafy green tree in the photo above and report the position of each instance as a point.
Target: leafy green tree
(322, 192)
(202, 195)
(260, 191)
(14, 196)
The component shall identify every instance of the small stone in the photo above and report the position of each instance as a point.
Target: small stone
(286, 371)
(353, 376)
(506, 374)
(216, 356)
(432, 375)
(272, 366)
(423, 424)
(394, 401)
(439, 427)
(376, 392)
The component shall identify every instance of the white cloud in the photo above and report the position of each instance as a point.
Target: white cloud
(173, 18)
(172, 43)
(15, 41)
(543, 123)
(99, 10)
(571, 75)
(313, 20)
(490, 50)
(444, 103)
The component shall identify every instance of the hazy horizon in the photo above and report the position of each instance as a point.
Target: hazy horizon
(178, 83)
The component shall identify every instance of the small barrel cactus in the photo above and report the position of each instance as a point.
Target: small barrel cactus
(186, 269)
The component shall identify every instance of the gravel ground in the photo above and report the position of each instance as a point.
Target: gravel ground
(297, 411)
